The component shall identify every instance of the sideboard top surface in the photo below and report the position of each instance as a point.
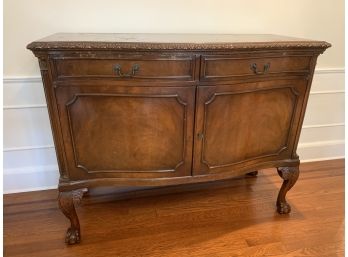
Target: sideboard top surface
(87, 41)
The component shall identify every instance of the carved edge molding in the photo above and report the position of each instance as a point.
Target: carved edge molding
(37, 45)
(287, 172)
(78, 194)
(43, 63)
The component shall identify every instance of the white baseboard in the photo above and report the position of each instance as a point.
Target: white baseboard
(46, 177)
(26, 179)
(29, 189)
(323, 159)
(324, 150)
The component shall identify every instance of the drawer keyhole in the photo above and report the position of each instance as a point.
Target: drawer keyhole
(200, 135)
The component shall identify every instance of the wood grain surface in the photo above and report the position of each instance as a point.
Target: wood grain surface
(234, 217)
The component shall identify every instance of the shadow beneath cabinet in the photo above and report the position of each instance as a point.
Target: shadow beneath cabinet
(180, 216)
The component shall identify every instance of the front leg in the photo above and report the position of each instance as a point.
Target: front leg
(67, 201)
(290, 176)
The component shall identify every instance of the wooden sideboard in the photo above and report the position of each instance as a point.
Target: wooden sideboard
(165, 109)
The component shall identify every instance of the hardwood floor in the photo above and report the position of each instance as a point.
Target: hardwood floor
(227, 218)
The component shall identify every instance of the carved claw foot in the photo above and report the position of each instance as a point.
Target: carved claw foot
(67, 201)
(290, 176)
(283, 208)
(253, 173)
(72, 236)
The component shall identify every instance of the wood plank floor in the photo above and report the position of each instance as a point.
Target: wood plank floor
(228, 218)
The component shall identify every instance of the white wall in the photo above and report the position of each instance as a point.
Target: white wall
(29, 157)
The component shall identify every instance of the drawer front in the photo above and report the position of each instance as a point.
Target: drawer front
(141, 68)
(214, 67)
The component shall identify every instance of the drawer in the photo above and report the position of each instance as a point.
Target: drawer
(218, 67)
(142, 68)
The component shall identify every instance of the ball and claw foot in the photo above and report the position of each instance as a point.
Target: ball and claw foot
(253, 173)
(72, 236)
(290, 176)
(283, 208)
(67, 201)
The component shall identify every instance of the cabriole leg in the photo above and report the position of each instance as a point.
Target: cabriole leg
(290, 176)
(67, 201)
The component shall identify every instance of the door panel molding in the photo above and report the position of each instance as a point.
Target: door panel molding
(76, 97)
(80, 106)
(202, 164)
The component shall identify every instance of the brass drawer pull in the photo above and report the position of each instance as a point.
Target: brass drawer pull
(135, 68)
(266, 67)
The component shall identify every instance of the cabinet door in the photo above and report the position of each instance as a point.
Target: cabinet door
(239, 125)
(118, 131)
